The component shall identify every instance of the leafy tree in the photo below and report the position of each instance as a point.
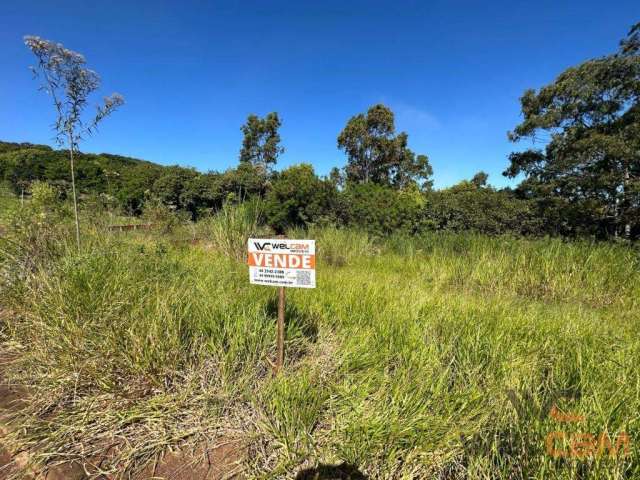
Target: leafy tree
(202, 194)
(377, 154)
(298, 198)
(170, 187)
(245, 181)
(44, 197)
(133, 182)
(261, 142)
(591, 162)
(165, 218)
(69, 83)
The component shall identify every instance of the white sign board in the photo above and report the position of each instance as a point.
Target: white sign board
(282, 262)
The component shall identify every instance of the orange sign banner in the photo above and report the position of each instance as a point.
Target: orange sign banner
(281, 260)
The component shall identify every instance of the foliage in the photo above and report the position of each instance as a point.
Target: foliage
(421, 354)
(12, 146)
(298, 198)
(480, 179)
(261, 142)
(377, 154)
(592, 159)
(244, 182)
(381, 210)
(471, 206)
(584, 183)
(336, 176)
(171, 188)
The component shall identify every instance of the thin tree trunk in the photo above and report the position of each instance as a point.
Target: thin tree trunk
(73, 189)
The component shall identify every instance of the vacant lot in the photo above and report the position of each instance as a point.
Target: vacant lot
(444, 356)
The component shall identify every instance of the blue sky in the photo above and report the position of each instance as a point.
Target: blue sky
(191, 71)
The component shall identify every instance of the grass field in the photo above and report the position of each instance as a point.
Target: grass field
(432, 357)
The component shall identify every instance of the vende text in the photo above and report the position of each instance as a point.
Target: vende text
(282, 260)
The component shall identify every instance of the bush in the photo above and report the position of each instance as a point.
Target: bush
(481, 209)
(299, 198)
(381, 210)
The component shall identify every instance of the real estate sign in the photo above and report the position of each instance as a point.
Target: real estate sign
(282, 262)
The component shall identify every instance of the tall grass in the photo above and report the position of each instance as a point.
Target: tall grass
(338, 247)
(230, 227)
(428, 357)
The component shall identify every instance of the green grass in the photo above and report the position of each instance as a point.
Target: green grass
(8, 203)
(428, 357)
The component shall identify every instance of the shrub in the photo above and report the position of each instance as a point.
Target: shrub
(299, 198)
(381, 210)
(481, 209)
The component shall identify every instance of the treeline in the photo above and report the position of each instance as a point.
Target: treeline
(584, 182)
(295, 196)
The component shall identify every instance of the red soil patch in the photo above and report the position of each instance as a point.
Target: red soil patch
(217, 462)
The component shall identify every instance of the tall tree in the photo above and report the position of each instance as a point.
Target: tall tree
(261, 144)
(69, 83)
(377, 154)
(591, 117)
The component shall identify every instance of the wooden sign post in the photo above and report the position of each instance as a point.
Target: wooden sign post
(280, 345)
(280, 262)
